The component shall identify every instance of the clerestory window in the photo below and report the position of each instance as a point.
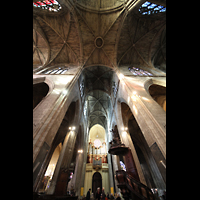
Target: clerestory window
(139, 72)
(51, 5)
(57, 70)
(149, 8)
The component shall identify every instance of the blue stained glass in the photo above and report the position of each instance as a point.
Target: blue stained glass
(163, 10)
(146, 4)
(152, 6)
(123, 167)
(160, 7)
(149, 8)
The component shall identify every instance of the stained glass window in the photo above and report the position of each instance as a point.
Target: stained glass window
(149, 8)
(58, 70)
(123, 167)
(51, 5)
(139, 72)
(82, 88)
(114, 89)
(71, 175)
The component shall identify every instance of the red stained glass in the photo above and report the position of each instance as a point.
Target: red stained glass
(50, 5)
(47, 2)
(40, 3)
(35, 4)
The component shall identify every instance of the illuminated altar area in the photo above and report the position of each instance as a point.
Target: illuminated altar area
(97, 153)
(97, 170)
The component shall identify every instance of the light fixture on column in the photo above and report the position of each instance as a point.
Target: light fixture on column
(121, 76)
(80, 151)
(72, 128)
(134, 92)
(124, 134)
(163, 164)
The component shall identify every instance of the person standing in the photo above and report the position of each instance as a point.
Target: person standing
(118, 197)
(98, 194)
(88, 194)
(111, 196)
(108, 197)
(103, 194)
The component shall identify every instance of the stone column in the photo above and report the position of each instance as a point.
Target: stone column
(150, 117)
(110, 172)
(126, 139)
(116, 166)
(78, 173)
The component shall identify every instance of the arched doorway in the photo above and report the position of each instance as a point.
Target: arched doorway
(96, 182)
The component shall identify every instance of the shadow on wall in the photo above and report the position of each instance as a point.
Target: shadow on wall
(40, 90)
(158, 93)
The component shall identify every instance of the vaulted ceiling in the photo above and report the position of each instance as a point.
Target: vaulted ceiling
(97, 92)
(98, 108)
(106, 32)
(101, 37)
(142, 42)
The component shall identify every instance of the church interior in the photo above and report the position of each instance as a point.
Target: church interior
(99, 98)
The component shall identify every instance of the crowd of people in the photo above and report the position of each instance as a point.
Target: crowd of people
(98, 195)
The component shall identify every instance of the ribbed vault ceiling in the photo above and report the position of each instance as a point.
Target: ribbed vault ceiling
(98, 90)
(69, 36)
(142, 41)
(98, 108)
(92, 34)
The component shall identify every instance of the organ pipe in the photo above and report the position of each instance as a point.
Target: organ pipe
(94, 152)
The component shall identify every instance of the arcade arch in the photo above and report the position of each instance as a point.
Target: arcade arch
(158, 93)
(44, 185)
(150, 161)
(40, 90)
(40, 176)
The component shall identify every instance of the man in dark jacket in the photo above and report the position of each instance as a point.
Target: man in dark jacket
(103, 194)
(98, 194)
(88, 195)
